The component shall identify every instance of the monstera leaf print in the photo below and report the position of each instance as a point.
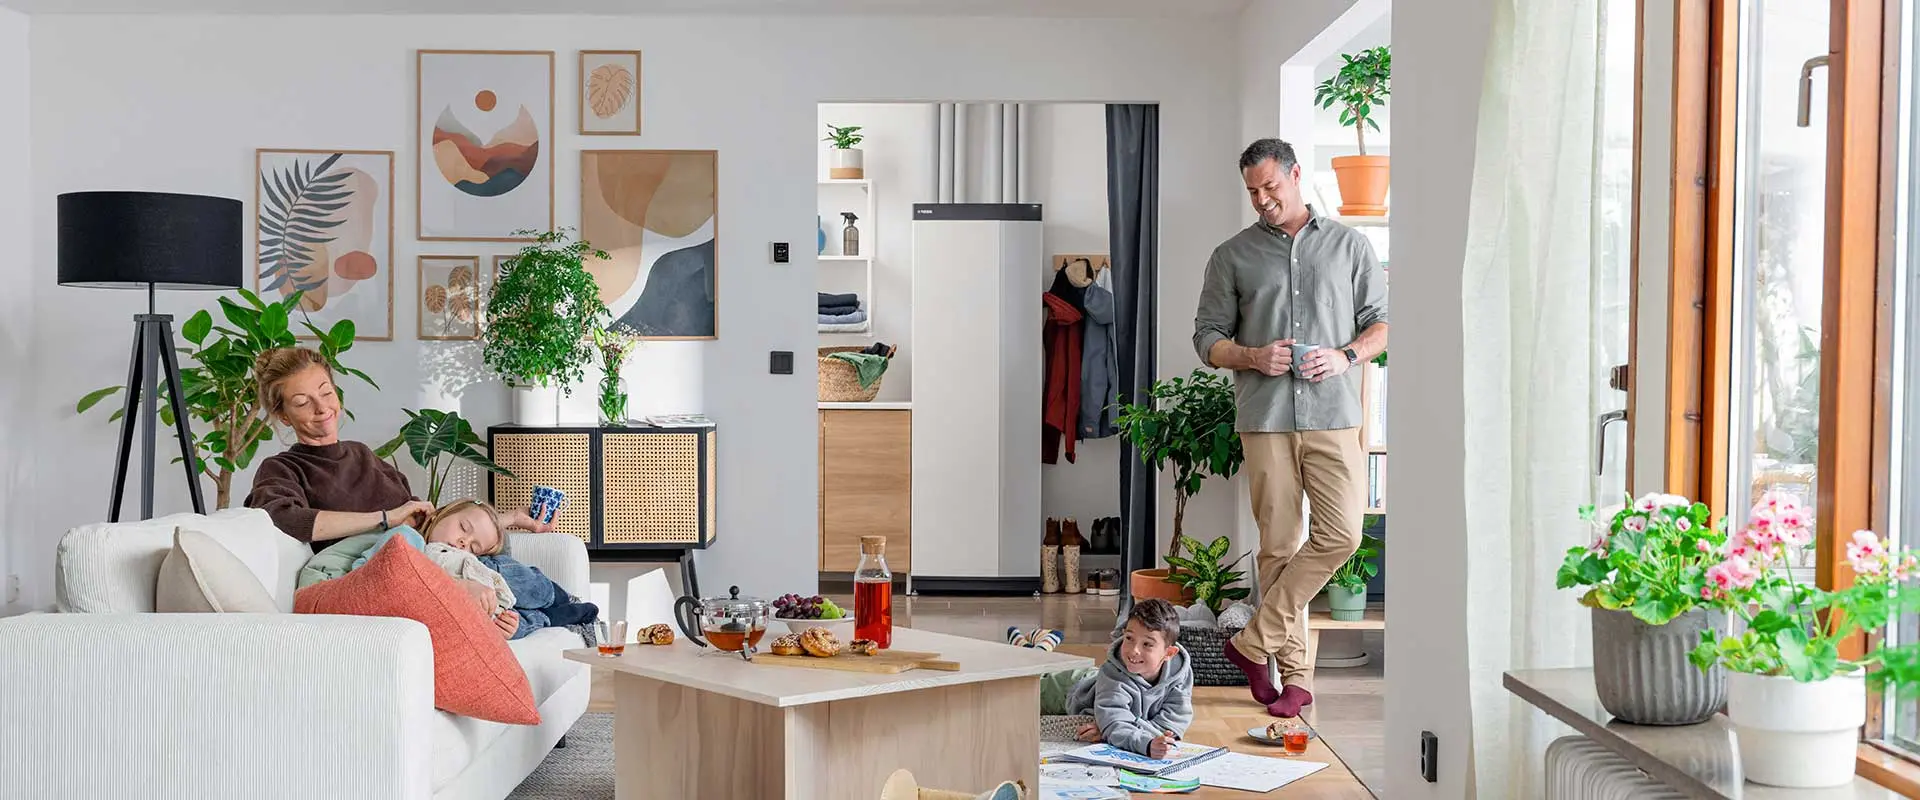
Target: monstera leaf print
(608, 88)
(296, 215)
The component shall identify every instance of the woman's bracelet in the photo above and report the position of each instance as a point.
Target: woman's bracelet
(384, 526)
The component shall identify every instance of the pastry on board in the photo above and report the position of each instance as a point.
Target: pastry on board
(657, 633)
(820, 642)
(865, 647)
(788, 645)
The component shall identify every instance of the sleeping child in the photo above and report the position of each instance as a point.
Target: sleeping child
(463, 539)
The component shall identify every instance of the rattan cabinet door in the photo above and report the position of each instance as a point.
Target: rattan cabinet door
(557, 460)
(651, 488)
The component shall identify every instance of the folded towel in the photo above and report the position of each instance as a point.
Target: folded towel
(843, 319)
(853, 327)
(869, 366)
(848, 299)
(834, 311)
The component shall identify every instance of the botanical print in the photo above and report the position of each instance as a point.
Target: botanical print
(609, 92)
(452, 296)
(655, 213)
(485, 149)
(323, 226)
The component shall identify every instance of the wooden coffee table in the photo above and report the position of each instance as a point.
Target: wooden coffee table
(692, 722)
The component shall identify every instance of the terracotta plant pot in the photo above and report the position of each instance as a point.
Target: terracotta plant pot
(1148, 583)
(1363, 185)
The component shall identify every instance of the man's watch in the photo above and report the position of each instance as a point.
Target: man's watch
(1352, 357)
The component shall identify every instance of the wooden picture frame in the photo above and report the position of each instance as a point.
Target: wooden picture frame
(442, 295)
(454, 92)
(343, 189)
(608, 91)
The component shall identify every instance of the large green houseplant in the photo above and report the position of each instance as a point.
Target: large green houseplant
(1207, 575)
(1186, 423)
(217, 377)
(437, 440)
(540, 320)
(1361, 85)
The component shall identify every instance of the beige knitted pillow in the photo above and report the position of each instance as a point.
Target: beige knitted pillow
(199, 575)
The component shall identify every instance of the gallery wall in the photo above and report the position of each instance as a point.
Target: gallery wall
(179, 103)
(17, 271)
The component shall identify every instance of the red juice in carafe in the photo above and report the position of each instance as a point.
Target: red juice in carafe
(873, 593)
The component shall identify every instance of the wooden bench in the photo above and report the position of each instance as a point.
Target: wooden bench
(1317, 621)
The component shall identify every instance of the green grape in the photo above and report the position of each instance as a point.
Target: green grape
(828, 610)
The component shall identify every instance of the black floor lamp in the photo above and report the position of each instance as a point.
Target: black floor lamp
(150, 240)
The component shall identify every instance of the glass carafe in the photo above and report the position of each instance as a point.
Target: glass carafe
(873, 593)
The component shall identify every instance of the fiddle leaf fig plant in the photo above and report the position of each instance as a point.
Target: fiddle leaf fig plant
(432, 437)
(542, 312)
(1363, 82)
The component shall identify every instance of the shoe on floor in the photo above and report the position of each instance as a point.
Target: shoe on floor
(1292, 700)
(1257, 679)
(1110, 582)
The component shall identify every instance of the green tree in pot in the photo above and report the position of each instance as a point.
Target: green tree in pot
(1186, 423)
(1362, 83)
(540, 321)
(1347, 589)
(432, 437)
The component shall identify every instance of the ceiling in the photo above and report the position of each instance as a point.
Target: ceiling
(945, 8)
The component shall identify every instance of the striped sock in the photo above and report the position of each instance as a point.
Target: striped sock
(1043, 638)
(1015, 637)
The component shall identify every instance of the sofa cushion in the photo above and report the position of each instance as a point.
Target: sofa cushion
(114, 567)
(200, 576)
(543, 655)
(474, 672)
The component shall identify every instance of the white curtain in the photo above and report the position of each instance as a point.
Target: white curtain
(1530, 298)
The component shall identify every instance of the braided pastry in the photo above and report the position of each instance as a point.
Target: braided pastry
(788, 645)
(820, 642)
(658, 633)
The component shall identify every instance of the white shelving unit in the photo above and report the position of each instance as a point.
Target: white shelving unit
(833, 196)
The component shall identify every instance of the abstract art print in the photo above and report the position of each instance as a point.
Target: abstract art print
(609, 92)
(452, 295)
(323, 226)
(656, 215)
(485, 146)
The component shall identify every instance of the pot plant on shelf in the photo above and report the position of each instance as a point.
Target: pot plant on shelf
(1645, 575)
(1795, 703)
(1362, 84)
(1186, 423)
(846, 161)
(1347, 588)
(438, 440)
(217, 378)
(540, 320)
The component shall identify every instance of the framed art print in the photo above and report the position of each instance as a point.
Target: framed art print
(485, 144)
(656, 215)
(453, 293)
(609, 92)
(323, 226)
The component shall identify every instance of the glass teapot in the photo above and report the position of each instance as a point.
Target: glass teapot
(731, 624)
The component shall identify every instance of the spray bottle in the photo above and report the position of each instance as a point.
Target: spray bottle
(850, 237)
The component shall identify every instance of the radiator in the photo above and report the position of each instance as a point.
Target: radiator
(1580, 769)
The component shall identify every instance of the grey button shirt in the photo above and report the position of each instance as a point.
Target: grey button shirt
(1321, 287)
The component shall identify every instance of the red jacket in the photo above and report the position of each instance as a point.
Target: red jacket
(1060, 412)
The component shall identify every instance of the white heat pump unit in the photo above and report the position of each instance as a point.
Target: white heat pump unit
(1578, 768)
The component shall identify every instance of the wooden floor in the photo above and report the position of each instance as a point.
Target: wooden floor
(1348, 712)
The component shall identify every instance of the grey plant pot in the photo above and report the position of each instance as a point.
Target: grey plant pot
(1642, 674)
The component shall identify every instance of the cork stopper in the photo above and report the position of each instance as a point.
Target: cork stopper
(873, 545)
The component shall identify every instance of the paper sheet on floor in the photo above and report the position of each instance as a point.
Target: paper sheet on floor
(1077, 775)
(1051, 792)
(1249, 773)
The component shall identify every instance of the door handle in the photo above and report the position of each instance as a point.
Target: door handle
(1806, 89)
(1600, 436)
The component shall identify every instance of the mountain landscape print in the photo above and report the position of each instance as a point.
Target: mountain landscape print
(484, 167)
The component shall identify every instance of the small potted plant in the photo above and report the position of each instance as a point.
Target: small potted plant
(1361, 84)
(1645, 573)
(539, 323)
(1347, 589)
(1188, 423)
(432, 437)
(1795, 703)
(847, 162)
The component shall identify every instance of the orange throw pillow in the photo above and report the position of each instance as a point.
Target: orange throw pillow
(474, 673)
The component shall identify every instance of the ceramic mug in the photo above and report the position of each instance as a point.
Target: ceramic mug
(1300, 351)
(546, 503)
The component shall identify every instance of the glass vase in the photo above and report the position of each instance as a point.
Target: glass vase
(613, 401)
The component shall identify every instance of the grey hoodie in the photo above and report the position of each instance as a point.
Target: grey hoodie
(1130, 711)
(1099, 367)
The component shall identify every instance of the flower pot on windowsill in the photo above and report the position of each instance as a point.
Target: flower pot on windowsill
(1797, 735)
(847, 163)
(1363, 185)
(1149, 583)
(1641, 672)
(1345, 605)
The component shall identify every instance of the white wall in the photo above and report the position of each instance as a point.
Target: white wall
(17, 271)
(179, 103)
(1440, 52)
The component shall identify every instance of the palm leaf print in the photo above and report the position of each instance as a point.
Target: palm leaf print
(295, 216)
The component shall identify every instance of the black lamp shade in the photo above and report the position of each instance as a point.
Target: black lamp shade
(139, 239)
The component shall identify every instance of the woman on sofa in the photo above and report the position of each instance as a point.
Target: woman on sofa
(324, 488)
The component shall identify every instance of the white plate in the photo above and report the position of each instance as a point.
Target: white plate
(841, 628)
(1260, 735)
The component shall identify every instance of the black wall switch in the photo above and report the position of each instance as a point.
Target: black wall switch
(780, 253)
(781, 363)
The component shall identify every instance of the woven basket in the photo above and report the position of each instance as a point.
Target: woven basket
(1206, 653)
(840, 382)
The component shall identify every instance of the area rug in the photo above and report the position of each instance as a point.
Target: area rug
(583, 770)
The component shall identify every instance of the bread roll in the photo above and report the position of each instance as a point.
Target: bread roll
(820, 642)
(658, 633)
(788, 645)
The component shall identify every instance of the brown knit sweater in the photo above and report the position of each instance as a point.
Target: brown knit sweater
(296, 485)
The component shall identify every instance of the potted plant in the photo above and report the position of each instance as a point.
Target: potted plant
(1362, 83)
(847, 162)
(539, 323)
(1796, 705)
(614, 345)
(1205, 576)
(217, 379)
(1347, 589)
(1646, 573)
(1186, 422)
(431, 436)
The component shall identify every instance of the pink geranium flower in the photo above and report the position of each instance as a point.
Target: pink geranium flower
(1635, 523)
(1683, 524)
(1734, 573)
(1599, 546)
(1866, 552)
(1702, 546)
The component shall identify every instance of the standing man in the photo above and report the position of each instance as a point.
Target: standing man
(1291, 280)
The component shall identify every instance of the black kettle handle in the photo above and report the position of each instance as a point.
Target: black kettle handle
(686, 613)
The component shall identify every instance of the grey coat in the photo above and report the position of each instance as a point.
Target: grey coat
(1130, 711)
(1099, 370)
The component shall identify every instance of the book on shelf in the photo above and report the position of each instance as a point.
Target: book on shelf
(679, 421)
(1376, 407)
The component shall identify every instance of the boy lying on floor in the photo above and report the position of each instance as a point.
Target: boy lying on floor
(1141, 699)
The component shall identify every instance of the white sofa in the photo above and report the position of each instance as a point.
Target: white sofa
(107, 699)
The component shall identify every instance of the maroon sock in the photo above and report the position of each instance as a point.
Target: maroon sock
(1292, 700)
(1263, 691)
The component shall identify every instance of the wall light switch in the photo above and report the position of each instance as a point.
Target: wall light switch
(780, 253)
(781, 363)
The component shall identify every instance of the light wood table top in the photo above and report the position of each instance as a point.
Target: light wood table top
(684, 663)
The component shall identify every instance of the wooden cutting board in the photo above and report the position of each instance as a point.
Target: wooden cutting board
(885, 662)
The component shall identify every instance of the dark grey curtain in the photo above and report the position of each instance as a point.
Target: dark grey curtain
(1133, 232)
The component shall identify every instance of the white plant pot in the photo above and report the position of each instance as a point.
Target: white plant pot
(847, 164)
(536, 405)
(1797, 735)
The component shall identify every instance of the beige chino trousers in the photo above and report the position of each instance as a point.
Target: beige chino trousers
(1328, 470)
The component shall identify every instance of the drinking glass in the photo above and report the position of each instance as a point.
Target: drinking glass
(613, 638)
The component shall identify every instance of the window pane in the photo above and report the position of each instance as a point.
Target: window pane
(1778, 255)
(1613, 235)
(1903, 729)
